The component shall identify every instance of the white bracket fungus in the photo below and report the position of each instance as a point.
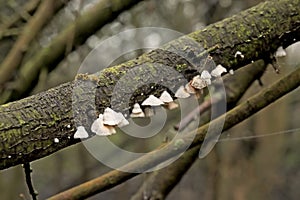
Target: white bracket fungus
(152, 101)
(137, 111)
(189, 88)
(81, 132)
(100, 129)
(205, 75)
(112, 118)
(198, 82)
(280, 52)
(182, 93)
(168, 100)
(218, 71)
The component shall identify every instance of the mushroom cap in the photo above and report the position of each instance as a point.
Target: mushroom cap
(122, 120)
(189, 88)
(199, 83)
(100, 129)
(217, 72)
(280, 52)
(205, 75)
(137, 115)
(81, 132)
(166, 97)
(136, 109)
(182, 93)
(110, 117)
(152, 101)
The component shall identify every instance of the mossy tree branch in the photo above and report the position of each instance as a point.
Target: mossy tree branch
(28, 127)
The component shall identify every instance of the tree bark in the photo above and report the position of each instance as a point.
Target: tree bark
(28, 127)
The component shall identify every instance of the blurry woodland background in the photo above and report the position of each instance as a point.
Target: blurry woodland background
(260, 168)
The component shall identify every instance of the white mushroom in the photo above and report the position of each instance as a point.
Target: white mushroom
(111, 117)
(137, 111)
(182, 93)
(189, 88)
(217, 72)
(56, 140)
(238, 54)
(122, 120)
(206, 77)
(280, 52)
(81, 132)
(168, 100)
(100, 129)
(166, 97)
(200, 82)
(152, 101)
(231, 72)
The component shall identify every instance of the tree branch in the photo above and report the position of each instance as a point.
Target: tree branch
(28, 127)
(83, 27)
(14, 58)
(150, 160)
(29, 7)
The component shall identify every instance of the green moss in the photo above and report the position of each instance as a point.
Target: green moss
(181, 67)
(20, 119)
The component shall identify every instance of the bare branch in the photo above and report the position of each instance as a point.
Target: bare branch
(12, 61)
(83, 27)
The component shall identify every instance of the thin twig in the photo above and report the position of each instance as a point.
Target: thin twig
(194, 113)
(27, 171)
(29, 7)
(14, 58)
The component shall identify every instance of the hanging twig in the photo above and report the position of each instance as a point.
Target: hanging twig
(27, 171)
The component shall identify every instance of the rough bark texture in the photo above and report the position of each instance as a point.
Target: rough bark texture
(28, 127)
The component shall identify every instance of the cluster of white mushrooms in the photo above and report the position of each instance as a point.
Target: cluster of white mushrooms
(105, 124)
